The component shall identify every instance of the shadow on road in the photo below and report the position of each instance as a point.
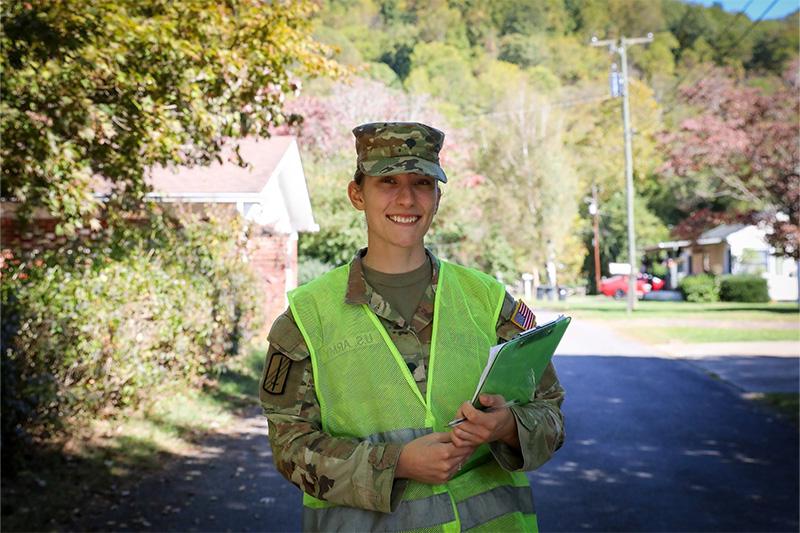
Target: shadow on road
(652, 445)
(657, 445)
(231, 485)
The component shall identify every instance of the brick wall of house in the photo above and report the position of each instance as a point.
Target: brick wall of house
(273, 257)
(39, 233)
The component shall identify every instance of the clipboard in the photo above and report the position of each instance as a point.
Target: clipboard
(515, 367)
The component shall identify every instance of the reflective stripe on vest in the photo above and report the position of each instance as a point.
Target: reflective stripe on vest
(410, 514)
(399, 436)
(366, 391)
(489, 505)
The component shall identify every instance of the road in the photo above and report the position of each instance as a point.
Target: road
(657, 444)
(653, 444)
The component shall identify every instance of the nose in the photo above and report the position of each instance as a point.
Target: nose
(405, 195)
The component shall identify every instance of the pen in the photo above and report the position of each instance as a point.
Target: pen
(457, 421)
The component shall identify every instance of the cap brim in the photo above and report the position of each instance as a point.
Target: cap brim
(391, 166)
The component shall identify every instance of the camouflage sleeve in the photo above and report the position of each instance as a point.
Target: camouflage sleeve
(540, 423)
(341, 471)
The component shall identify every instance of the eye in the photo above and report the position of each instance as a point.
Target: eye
(389, 180)
(426, 183)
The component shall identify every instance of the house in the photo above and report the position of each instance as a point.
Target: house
(270, 192)
(731, 249)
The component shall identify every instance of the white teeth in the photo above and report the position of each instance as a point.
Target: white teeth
(403, 220)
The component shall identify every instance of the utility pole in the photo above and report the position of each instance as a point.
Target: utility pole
(620, 47)
(595, 212)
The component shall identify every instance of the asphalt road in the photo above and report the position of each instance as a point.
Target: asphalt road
(657, 445)
(653, 444)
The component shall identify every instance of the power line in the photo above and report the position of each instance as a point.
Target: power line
(720, 36)
(730, 47)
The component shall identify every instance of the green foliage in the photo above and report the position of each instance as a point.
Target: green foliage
(437, 68)
(743, 288)
(523, 50)
(532, 175)
(92, 325)
(310, 268)
(515, 16)
(700, 288)
(614, 227)
(776, 44)
(112, 88)
(383, 73)
(344, 229)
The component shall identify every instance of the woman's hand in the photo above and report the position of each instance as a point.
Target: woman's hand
(480, 427)
(432, 459)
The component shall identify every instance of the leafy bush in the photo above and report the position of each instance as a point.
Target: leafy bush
(310, 268)
(96, 323)
(700, 288)
(743, 288)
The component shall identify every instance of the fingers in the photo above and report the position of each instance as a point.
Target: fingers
(470, 435)
(467, 411)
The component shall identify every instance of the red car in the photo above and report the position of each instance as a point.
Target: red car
(617, 286)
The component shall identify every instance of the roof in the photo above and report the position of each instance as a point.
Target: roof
(270, 190)
(715, 235)
(261, 155)
(720, 233)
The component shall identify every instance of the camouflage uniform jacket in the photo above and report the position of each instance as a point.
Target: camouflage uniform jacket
(359, 473)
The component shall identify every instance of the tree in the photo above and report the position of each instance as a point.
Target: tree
(437, 68)
(742, 145)
(532, 176)
(114, 87)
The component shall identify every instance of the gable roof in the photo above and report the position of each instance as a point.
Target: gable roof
(714, 235)
(720, 233)
(270, 190)
(262, 156)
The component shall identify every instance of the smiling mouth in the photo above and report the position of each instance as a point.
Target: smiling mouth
(403, 219)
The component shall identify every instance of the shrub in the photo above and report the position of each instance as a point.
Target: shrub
(700, 288)
(95, 324)
(743, 288)
(310, 268)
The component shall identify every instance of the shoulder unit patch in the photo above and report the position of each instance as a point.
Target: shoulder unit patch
(277, 373)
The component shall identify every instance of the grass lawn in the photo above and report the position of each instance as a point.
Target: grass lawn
(62, 475)
(663, 335)
(603, 307)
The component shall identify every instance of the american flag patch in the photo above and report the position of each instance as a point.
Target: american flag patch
(523, 316)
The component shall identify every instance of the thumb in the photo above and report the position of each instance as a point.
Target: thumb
(492, 400)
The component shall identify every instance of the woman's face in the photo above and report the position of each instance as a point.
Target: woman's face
(399, 209)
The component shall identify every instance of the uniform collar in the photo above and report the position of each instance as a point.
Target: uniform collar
(359, 292)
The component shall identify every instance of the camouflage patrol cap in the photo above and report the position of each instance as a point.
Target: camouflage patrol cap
(390, 148)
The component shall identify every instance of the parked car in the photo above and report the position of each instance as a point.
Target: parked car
(617, 286)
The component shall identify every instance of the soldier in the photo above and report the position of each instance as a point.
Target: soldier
(372, 359)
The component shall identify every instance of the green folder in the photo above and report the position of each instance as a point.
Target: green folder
(515, 367)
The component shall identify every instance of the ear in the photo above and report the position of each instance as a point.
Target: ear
(356, 195)
(439, 193)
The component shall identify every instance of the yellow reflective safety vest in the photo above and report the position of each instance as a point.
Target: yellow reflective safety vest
(366, 392)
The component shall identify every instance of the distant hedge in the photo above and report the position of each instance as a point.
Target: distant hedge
(94, 324)
(700, 288)
(743, 288)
